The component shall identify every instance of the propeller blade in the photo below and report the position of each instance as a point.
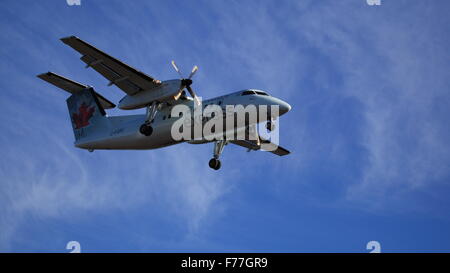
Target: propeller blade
(177, 96)
(194, 69)
(176, 68)
(197, 101)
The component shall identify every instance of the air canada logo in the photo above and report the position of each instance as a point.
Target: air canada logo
(85, 113)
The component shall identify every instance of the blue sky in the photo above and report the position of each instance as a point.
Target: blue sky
(368, 131)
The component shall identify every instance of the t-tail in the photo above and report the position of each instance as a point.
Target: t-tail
(88, 117)
(86, 109)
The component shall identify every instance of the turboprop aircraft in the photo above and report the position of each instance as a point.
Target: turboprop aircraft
(95, 130)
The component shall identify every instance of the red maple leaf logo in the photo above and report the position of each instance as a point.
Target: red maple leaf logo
(83, 116)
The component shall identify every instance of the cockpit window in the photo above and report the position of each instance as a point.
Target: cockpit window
(248, 92)
(253, 92)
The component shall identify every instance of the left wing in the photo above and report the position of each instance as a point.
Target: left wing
(127, 78)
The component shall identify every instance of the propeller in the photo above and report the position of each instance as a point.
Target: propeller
(186, 82)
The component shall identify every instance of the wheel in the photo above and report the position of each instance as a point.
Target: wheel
(146, 130)
(214, 164)
(218, 165)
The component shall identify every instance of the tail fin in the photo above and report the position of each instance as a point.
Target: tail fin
(88, 117)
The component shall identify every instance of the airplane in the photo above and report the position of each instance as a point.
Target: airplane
(95, 130)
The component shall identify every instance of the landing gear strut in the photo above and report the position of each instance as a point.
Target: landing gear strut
(146, 129)
(270, 125)
(214, 163)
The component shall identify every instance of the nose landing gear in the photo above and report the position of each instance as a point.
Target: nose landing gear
(270, 125)
(146, 129)
(214, 163)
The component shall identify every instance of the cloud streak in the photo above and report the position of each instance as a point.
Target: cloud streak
(368, 88)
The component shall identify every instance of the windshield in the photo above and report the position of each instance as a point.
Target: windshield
(253, 92)
(248, 92)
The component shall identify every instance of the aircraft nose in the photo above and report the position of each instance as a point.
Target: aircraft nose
(284, 107)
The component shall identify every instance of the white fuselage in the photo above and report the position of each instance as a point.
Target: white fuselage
(124, 130)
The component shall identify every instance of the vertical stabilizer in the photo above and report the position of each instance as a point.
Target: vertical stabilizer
(88, 117)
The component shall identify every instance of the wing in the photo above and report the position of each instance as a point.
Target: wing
(73, 87)
(253, 145)
(127, 78)
(260, 143)
(273, 148)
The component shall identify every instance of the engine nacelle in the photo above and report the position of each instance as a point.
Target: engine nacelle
(165, 92)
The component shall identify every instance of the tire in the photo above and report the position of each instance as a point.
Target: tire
(218, 165)
(146, 130)
(214, 164)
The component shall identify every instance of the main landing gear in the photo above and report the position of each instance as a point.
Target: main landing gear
(214, 163)
(270, 125)
(146, 129)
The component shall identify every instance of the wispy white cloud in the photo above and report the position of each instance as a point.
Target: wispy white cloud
(393, 63)
(390, 62)
(313, 55)
(43, 175)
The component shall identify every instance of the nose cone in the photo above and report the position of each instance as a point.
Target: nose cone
(284, 107)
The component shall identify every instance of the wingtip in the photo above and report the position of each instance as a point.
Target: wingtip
(44, 74)
(286, 152)
(64, 39)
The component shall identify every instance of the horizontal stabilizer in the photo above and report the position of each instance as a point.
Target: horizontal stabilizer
(73, 87)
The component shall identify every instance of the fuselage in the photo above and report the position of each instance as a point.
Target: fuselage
(124, 130)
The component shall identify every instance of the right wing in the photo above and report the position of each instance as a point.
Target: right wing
(256, 142)
(253, 145)
(127, 78)
(73, 87)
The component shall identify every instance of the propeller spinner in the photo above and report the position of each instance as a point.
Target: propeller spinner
(186, 83)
